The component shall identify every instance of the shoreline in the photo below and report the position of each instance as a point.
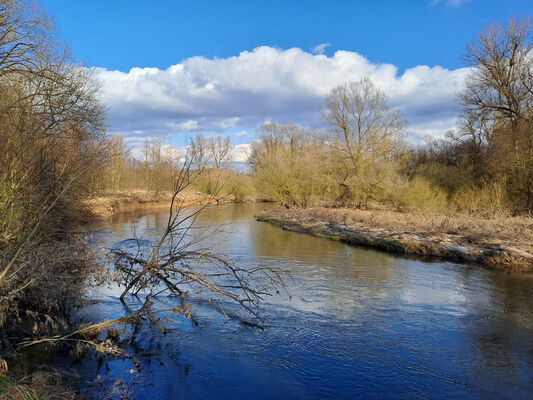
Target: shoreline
(104, 207)
(491, 252)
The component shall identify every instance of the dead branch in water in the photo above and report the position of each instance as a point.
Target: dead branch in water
(176, 263)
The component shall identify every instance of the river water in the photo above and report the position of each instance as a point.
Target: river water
(357, 324)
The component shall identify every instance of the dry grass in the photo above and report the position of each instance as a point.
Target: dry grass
(135, 200)
(497, 240)
(40, 385)
(142, 200)
(477, 228)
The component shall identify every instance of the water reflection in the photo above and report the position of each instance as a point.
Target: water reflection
(358, 324)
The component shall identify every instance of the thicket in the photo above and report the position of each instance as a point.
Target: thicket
(485, 164)
(52, 141)
(210, 157)
(350, 165)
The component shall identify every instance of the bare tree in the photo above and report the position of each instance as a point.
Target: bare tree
(198, 152)
(367, 134)
(220, 149)
(52, 139)
(178, 262)
(173, 159)
(153, 165)
(501, 84)
(26, 38)
(117, 162)
(497, 104)
(273, 137)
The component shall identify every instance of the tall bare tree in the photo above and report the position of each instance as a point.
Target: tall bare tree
(198, 151)
(497, 104)
(367, 134)
(52, 138)
(220, 149)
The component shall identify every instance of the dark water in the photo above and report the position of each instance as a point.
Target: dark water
(359, 324)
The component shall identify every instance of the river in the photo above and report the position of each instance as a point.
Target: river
(357, 324)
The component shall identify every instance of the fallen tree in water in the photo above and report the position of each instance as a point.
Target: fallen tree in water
(177, 264)
(498, 242)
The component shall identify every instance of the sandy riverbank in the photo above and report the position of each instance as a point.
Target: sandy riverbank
(502, 242)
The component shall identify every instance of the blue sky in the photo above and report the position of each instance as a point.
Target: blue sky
(121, 34)
(385, 40)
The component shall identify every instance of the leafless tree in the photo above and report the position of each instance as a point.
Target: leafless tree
(178, 262)
(367, 134)
(220, 149)
(273, 137)
(497, 104)
(501, 84)
(173, 158)
(52, 136)
(198, 151)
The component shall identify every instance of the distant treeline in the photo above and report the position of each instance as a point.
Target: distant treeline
(362, 157)
(486, 163)
(210, 158)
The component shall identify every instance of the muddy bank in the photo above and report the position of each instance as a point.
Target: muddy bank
(490, 251)
(107, 206)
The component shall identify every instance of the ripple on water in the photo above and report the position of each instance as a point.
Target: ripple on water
(358, 324)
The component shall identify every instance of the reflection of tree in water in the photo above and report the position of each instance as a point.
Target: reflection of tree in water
(147, 225)
(157, 220)
(477, 321)
(329, 277)
(500, 323)
(229, 213)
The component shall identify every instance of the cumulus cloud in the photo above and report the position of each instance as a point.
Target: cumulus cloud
(241, 152)
(267, 84)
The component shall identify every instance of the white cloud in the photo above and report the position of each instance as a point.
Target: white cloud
(240, 92)
(241, 134)
(321, 48)
(240, 152)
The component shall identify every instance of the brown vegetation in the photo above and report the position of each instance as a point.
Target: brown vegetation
(128, 184)
(484, 165)
(52, 139)
(498, 241)
(43, 384)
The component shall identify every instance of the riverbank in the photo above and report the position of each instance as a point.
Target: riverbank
(106, 206)
(45, 383)
(497, 241)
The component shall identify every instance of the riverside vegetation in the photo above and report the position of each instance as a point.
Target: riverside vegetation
(466, 197)
(475, 186)
(55, 146)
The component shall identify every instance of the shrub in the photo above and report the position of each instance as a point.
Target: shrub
(418, 193)
(241, 187)
(490, 197)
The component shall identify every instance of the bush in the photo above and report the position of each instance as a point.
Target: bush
(293, 181)
(418, 193)
(222, 183)
(490, 197)
(241, 187)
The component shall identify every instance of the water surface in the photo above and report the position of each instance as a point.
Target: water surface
(358, 324)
